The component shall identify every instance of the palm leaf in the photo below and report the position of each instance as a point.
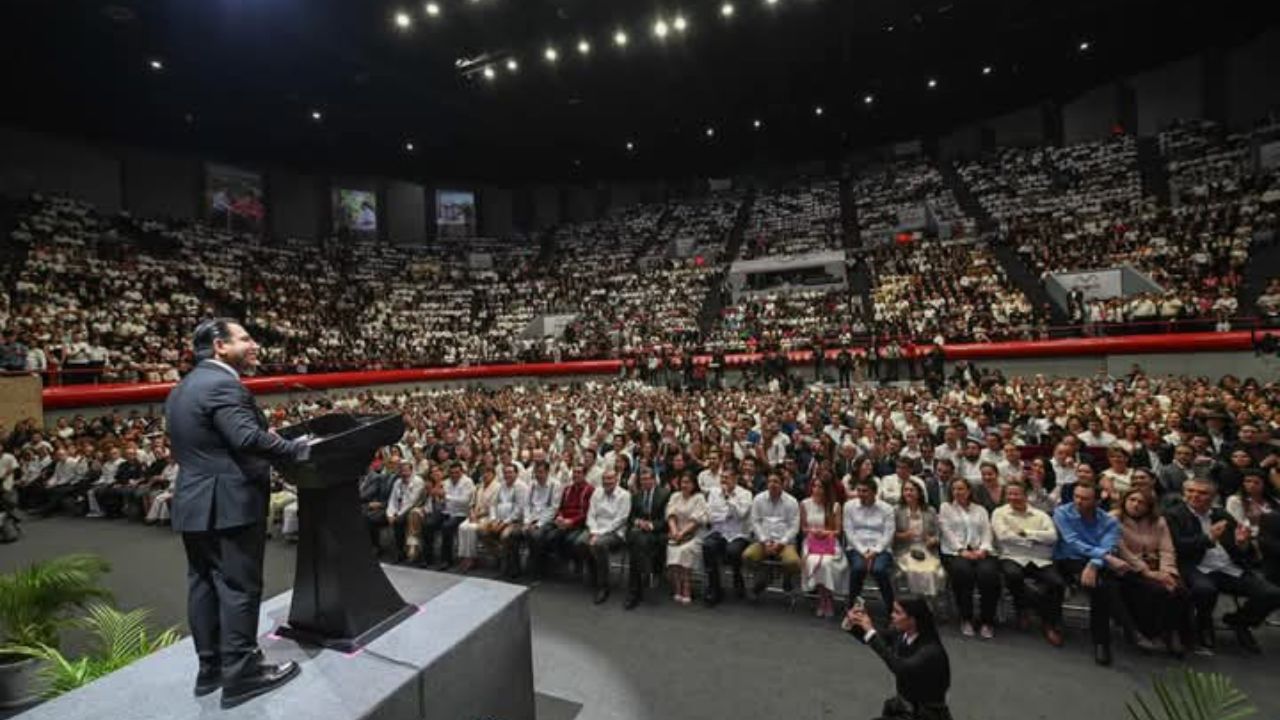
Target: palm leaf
(1192, 695)
(35, 602)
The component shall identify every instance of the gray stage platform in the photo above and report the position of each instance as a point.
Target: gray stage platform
(465, 654)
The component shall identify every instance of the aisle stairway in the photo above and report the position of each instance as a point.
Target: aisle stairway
(1026, 280)
(1152, 170)
(1263, 266)
(968, 201)
(716, 299)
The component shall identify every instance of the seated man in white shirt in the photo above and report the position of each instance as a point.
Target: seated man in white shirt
(1025, 538)
(869, 526)
(607, 517)
(729, 506)
(539, 516)
(406, 493)
(1095, 436)
(775, 522)
(506, 519)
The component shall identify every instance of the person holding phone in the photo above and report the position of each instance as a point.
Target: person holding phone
(913, 652)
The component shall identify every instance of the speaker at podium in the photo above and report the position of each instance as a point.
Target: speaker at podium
(341, 597)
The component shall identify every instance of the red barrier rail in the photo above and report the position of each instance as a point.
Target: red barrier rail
(136, 393)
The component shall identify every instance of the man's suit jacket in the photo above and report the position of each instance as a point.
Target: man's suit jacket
(1190, 541)
(657, 513)
(224, 452)
(921, 670)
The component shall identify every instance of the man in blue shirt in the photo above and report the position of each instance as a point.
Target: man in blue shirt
(1087, 538)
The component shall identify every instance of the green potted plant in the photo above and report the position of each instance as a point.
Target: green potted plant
(1191, 695)
(36, 604)
(117, 639)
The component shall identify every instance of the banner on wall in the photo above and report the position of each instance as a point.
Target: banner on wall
(1095, 284)
(233, 199)
(455, 213)
(355, 212)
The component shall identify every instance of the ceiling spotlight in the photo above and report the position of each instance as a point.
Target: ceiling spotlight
(620, 39)
(660, 28)
(409, 146)
(986, 69)
(1084, 46)
(551, 55)
(727, 10)
(584, 47)
(868, 99)
(932, 83)
(770, 2)
(433, 9)
(489, 73)
(757, 124)
(711, 132)
(156, 64)
(403, 21)
(630, 146)
(317, 115)
(512, 65)
(818, 111)
(680, 24)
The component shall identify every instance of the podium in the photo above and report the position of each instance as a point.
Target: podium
(341, 597)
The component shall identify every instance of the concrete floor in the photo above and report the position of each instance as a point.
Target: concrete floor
(737, 661)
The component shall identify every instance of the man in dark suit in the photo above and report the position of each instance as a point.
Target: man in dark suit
(646, 533)
(1214, 555)
(914, 654)
(224, 453)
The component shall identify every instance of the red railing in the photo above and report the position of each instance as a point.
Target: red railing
(72, 396)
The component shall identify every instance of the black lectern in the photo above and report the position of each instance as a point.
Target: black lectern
(341, 597)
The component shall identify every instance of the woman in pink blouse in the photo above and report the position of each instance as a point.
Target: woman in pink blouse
(1153, 593)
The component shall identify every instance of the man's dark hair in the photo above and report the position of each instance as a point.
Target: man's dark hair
(206, 333)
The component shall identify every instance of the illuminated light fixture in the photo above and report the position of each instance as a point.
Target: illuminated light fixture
(680, 24)
(1084, 46)
(986, 70)
(433, 9)
(317, 115)
(818, 111)
(403, 21)
(630, 146)
(770, 2)
(711, 132)
(620, 39)
(512, 65)
(932, 83)
(868, 99)
(551, 55)
(489, 74)
(660, 29)
(584, 47)
(156, 64)
(757, 124)
(727, 10)
(409, 146)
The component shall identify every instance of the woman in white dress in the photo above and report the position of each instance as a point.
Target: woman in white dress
(825, 566)
(687, 519)
(469, 531)
(915, 544)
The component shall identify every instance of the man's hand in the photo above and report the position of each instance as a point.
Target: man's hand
(1116, 564)
(1243, 534)
(591, 539)
(376, 506)
(1089, 576)
(1217, 529)
(771, 548)
(857, 617)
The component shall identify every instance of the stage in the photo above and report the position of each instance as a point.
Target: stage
(465, 653)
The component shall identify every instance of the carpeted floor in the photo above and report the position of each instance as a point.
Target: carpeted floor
(737, 661)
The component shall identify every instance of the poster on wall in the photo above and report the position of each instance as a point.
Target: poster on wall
(233, 199)
(456, 213)
(355, 212)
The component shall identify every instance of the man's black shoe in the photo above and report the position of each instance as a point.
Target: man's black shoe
(207, 681)
(265, 679)
(712, 599)
(1102, 654)
(631, 602)
(601, 595)
(1245, 637)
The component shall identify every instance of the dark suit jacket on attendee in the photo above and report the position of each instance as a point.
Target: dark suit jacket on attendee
(657, 510)
(1190, 542)
(224, 451)
(921, 670)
